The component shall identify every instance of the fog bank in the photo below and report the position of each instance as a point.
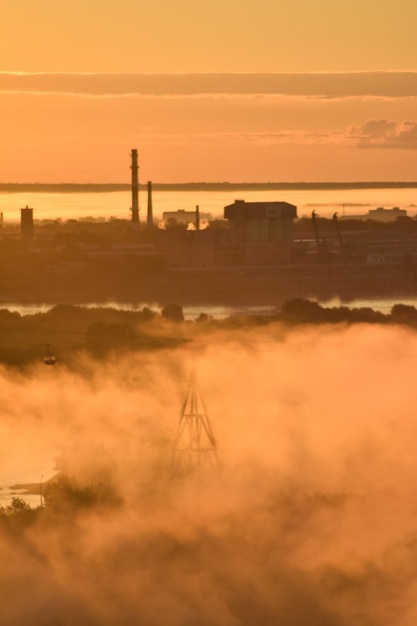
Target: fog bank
(311, 519)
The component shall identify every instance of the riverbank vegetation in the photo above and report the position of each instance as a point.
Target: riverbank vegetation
(67, 330)
(62, 497)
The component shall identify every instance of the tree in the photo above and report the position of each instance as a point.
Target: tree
(302, 311)
(173, 312)
(64, 495)
(101, 337)
(404, 314)
(202, 318)
(17, 515)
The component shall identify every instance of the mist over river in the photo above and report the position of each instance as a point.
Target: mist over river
(40, 465)
(311, 519)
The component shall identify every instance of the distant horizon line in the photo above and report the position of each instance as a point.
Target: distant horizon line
(209, 186)
(391, 70)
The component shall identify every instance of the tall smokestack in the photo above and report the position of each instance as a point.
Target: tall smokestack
(197, 217)
(135, 187)
(150, 213)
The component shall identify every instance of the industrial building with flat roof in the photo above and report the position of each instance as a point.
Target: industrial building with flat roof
(253, 234)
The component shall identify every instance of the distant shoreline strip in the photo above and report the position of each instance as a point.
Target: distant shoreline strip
(113, 187)
(394, 84)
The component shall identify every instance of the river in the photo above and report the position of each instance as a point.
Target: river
(104, 205)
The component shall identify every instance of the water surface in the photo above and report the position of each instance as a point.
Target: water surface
(116, 204)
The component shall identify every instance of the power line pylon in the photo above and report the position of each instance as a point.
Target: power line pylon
(195, 448)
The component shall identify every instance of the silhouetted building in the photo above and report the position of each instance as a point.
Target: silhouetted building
(255, 234)
(380, 215)
(26, 223)
(264, 231)
(174, 218)
(386, 215)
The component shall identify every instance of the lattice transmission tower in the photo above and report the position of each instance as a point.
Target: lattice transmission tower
(195, 446)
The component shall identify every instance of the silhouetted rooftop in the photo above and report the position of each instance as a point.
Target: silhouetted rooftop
(256, 210)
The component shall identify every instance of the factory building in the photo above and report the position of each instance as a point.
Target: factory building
(263, 231)
(379, 215)
(174, 218)
(252, 234)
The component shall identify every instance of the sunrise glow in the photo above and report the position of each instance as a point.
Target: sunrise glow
(269, 91)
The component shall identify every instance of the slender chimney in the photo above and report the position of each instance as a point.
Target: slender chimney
(135, 187)
(197, 217)
(150, 213)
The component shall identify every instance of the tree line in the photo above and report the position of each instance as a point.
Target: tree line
(65, 330)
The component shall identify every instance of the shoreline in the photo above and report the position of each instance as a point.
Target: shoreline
(204, 186)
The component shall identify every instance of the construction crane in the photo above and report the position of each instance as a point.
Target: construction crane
(337, 226)
(316, 231)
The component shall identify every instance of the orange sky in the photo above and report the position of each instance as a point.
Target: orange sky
(343, 124)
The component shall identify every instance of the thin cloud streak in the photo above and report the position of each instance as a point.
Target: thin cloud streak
(325, 85)
(375, 134)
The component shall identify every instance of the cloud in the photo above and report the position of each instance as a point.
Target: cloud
(324, 85)
(385, 133)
